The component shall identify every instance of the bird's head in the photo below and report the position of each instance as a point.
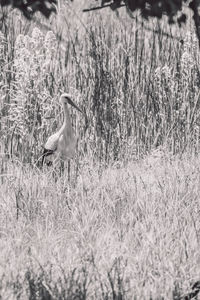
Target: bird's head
(67, 99)
(64, 98)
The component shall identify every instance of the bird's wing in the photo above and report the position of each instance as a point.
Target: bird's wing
(66, 146)
(45, 154)
(52, 142)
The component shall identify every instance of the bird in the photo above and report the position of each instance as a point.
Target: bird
(63, 142)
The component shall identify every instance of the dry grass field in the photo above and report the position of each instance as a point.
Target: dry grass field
(126, 224)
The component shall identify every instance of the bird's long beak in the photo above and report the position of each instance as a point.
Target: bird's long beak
(74, 105)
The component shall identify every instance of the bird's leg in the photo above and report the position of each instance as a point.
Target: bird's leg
(56, 161)
(55, 164)
(62, 167)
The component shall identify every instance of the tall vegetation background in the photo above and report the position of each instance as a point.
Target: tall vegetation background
(138, 88)
(131, 228)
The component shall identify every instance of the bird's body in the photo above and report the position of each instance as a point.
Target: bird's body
(63, 142)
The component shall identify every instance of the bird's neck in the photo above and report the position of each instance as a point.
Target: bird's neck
(67, 118)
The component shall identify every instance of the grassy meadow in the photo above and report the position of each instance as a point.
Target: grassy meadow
(123, 221)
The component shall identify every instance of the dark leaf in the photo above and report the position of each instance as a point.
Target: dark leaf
(181, 19)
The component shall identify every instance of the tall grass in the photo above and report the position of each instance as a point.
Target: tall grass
(129, 230)
(139, 89)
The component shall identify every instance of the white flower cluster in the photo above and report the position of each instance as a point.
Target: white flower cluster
(190, 48)
(163, 80)
(34, 54)
(32, 64)
(2, 46)
(163, 73)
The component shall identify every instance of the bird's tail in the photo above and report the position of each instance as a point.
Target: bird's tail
(46, 153)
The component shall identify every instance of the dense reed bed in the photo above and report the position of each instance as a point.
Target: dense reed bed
(138, 88)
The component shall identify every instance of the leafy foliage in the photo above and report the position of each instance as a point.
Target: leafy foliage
(152, 8)
(149, 8)
(156, 8)
(29, 7)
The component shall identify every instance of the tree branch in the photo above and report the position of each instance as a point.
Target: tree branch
(100, 7)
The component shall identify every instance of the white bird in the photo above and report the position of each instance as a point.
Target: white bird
(63, 142)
